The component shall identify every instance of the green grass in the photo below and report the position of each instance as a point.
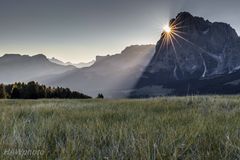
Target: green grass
(164, 128)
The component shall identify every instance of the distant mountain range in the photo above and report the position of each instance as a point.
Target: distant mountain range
(112, 75)
(78, 65)
(24, 68)
(196, 57)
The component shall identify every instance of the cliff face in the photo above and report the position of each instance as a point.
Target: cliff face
(196, 57)
(195, 49)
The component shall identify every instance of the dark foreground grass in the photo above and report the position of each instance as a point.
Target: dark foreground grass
(164, 128)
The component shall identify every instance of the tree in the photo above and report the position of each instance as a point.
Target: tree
(15, 93)
(3, 93)
(33, 90)
(49, 93)
(100, 96)
(42, 92)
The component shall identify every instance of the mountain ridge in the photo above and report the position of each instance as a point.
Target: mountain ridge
(24, 68)
(78, 65)
(111, 75)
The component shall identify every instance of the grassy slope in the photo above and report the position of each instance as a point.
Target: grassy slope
(165, 128)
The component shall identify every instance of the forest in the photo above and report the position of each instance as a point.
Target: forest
(34, 90)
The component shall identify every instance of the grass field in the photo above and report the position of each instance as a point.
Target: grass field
(164, 128)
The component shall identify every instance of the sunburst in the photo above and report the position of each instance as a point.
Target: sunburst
(167, 29)
(173, 32)
(170, 36)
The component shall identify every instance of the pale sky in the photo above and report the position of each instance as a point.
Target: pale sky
(78, 30)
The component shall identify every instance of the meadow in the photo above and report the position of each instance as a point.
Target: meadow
(197, 127)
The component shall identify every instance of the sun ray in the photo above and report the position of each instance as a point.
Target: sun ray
(177, 41)
(167, 29)
(174, 33)
(162, 43)
(192, 43)
(170, 36)
(174, 48)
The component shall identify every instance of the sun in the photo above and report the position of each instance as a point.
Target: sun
(167, 29)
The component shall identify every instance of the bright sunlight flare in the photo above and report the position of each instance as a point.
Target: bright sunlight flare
(167, 28)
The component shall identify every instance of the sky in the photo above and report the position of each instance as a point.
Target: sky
(78, 30)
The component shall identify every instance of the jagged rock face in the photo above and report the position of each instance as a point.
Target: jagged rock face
(201, 49)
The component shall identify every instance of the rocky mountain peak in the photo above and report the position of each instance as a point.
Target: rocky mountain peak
(195, 48)
(198, 26)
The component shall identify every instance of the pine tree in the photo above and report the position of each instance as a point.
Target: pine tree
(3, 93)
(15, 93)
(34, 90)
(100, 96)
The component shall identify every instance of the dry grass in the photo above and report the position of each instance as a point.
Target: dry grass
(164, 128)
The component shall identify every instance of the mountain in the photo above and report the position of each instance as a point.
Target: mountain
(83, 65)
(55, 60)
(194, 56)
(24, 68)
(112, 75)
(197, 56)
(78, 65)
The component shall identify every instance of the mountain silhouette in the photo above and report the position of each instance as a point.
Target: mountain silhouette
(24, 68)
(112, 75)
(78, 65)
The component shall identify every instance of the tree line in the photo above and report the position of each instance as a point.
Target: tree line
(33, 90)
